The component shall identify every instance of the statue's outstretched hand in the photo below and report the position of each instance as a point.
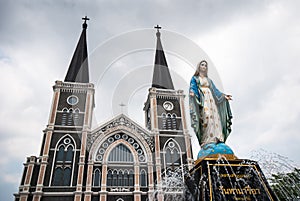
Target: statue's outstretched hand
(191, 93)
(228, 97)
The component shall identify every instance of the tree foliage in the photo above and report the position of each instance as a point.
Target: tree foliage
(286, 185)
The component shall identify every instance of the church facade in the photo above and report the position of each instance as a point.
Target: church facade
(117, 161)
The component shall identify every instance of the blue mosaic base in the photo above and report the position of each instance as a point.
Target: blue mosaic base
(212, 148)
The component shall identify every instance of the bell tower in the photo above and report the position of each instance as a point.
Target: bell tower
(61, 164)
(165, 118)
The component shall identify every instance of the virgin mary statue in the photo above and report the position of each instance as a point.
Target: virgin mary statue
(209, 108)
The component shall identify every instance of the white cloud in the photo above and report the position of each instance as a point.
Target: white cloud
(254, 45)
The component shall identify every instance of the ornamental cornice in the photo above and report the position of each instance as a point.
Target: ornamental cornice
(74, 87)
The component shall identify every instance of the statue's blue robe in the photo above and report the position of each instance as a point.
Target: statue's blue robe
(197, 103)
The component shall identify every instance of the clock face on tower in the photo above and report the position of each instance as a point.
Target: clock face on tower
(72, 100)
(168, 105)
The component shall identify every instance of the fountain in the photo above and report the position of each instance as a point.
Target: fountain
(222, 176)
(231, 179)
(225, 177)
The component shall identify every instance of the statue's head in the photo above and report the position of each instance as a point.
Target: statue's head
(202, 68)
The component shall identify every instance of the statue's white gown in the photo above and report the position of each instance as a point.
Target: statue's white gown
(211, 124)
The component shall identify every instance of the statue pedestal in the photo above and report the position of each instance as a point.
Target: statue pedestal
(214, 179)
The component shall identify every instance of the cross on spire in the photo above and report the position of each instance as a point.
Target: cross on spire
(85, 19)
(84, 25)
(157, 27)
(78, 70)
(122, 105)
(161, 74)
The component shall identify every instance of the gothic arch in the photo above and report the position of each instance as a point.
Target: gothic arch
(170, 149)
(132, 169)
(64, 161)
(101, 135)
(65, 136)
(97, 177)
(133, 134)
(176, 144)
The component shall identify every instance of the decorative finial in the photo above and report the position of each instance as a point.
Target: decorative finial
(122, 105)
(84, 25)
(158, 28)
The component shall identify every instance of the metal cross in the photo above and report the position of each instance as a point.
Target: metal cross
(157, 27)
(85, 19)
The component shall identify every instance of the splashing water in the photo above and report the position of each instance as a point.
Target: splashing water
(272, 163)
(282, 174)
(174, 185)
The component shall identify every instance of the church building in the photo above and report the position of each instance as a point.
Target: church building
(119, 160)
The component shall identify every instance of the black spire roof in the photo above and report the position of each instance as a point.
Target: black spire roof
(161, 75)
(79, 69)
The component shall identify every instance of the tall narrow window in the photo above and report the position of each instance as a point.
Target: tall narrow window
(143, 178)
(70, 118)
(126, 178)
(69, 154)
(176, 158)
(120, 178)
(63, 163)
(64, 116)
(172, 157)
(109, 178)
(174, 122)
(164, 121)
(97, 177)
(76, 117)
(169, 121)
(131, 178)
(60, 153)
(58, 176)
(67, 176)
(115, 178)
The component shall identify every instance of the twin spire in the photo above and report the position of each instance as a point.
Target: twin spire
(79, 72)
(79, 68)
(161, 74)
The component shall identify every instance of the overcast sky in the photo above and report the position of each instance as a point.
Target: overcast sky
(253, 45)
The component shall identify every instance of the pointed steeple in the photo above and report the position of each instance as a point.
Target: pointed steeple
(161, 75)
(79, 69)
